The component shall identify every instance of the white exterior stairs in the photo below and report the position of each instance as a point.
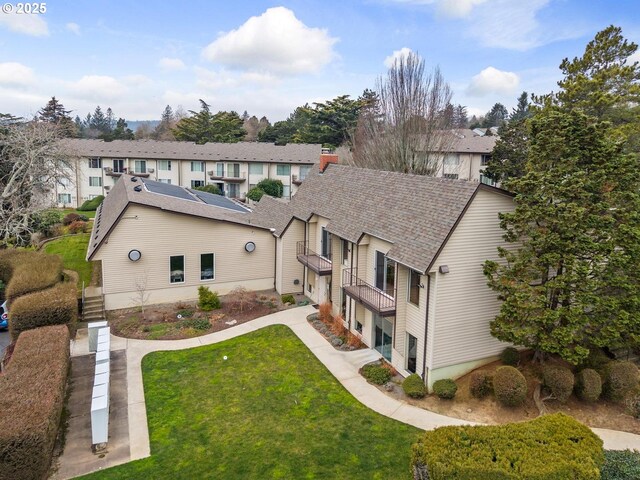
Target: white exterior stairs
(93, 305)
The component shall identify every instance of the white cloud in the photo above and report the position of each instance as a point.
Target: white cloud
(99, 88)
(396, 55)
(73, 28)
(494, 81)
(32, 24)
(458, 8)
(15, 74)
(275, 42)
(171, 64)
(634, 58)
(136, 80)
(216, 80)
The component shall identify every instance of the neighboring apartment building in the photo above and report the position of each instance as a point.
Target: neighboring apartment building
(471, 154)
(234, 167)
(400, 257)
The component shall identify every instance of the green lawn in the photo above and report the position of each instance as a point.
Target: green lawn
(272, 410)
(88, 214)
(73, 250)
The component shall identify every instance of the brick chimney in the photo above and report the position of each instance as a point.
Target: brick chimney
(326, 159)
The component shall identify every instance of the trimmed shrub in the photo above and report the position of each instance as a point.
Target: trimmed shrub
(509, 386)
(480, 383)
(588, 385)
(376, 373)
(70, 218)
(255, 194)
(445, 389)
(550, 447)
(510, 356)
(596, 360)
(620, 379)
(414, 387)
(288, 299)
(559, 381)
(45, 221)
(8, 259)
(78, 227)
(196, 323)
(620, 465)
(54, 306)
(28, 271)
(208, 300)
(31, 400)
(91, 205)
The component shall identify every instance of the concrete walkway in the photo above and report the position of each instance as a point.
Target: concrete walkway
(343, 365)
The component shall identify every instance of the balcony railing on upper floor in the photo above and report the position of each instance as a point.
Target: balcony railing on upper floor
(227, 176)
(379, 301)
(320, 264)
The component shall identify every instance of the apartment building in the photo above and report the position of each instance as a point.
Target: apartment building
(471, 154)
(234, 167)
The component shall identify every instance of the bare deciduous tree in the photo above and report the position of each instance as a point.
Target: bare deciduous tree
(406, 128)
(142, 296)
(32, 160)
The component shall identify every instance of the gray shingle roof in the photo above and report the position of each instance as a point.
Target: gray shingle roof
(165, 150)
(469, 142)
(123, 193)
(415, 213)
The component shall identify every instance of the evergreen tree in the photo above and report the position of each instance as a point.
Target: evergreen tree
(55, 113)
(522, 108)
(98, 123)
(571, 280)
(460, 119)
(110, 119)
(163, 130)
(203, 126)
(496, 117)
(121, 132)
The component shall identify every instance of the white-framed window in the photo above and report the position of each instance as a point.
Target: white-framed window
(304, 171)
(207, 266)
(64, 181)
(256, 169)
(64, 198)
(118, 165)
(165, 180)
(451, 161)
(164, 165)
(412, 353)
(233, 190)
(197, 166)
(345, 251)
(95, 181)
(197, 183)
(140, 166)
(233, 170)
(413, 289)
(95, 163)
(286, 191)
(283, 170)
(176, 269)
(485, 159)
(220, 169)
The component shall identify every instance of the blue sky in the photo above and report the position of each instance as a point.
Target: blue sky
(267, 58)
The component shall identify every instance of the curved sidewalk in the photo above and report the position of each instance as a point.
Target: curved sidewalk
(343, 365)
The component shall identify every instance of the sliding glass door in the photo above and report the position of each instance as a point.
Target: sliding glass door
(383, 335)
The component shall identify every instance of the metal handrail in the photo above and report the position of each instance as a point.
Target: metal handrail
(303, 249)
(366, 293)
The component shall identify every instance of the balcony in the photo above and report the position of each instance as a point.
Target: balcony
(317, 263)
(295, 180)
(220, 176)
(378, 301)
(110, 172)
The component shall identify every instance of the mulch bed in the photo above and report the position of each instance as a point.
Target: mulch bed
(337, 341)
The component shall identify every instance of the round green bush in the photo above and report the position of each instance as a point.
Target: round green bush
(510, 356)
(414, 387)
(445, 388)
(255, 194)
(480, 383)
(376, 374)
(559, 381)
(620, 379)
(509, 386)
(588, 385)
(596, 360)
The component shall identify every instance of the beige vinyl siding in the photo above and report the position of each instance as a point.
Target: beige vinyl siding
(464, 304)
(289, 266)
(400, 326)
(336, 272)
(375, 245)
(159, 234)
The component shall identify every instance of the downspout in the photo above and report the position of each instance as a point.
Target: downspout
(350, 307)
(304, 267)
(426, 330)
(470, 166)
(77, 184)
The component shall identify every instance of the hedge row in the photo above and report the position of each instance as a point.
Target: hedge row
(31, 400)
(553, 446)
(27, 271)
(57, 305)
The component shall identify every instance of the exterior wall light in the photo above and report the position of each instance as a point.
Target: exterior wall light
(444, 269)
(134, 255)
(250, 247)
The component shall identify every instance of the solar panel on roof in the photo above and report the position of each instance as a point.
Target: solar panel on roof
(218, 201)
(167, 189)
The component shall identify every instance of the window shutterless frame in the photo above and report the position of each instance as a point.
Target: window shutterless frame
(177, 269)
(413, 289)
(207, 267)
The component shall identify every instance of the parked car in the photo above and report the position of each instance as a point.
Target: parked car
(4, 316)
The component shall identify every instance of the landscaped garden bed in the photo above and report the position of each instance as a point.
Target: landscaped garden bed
(174, 321)
(333, 329)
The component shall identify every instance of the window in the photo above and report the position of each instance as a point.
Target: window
(343, 303)
(118, 166)
(197, 166)
(64, 198)
(326, 243)
(284, 170)
(165, 180)
(220, 169)
(234, 190)
(385, 273)
(207, 268)
(233, 170)
(95, 181)
(485, 159)
(64, 181)
(197, 183)
(252, 186)
(286, 191)
(451, 161)
(140, 166)
(95, 163)
(345, 252)
(414, 288)
(176, 267)
(453, 176)
(164, 165)
(256, 169)
(412, 353)
(358, 327)
(304, 171)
